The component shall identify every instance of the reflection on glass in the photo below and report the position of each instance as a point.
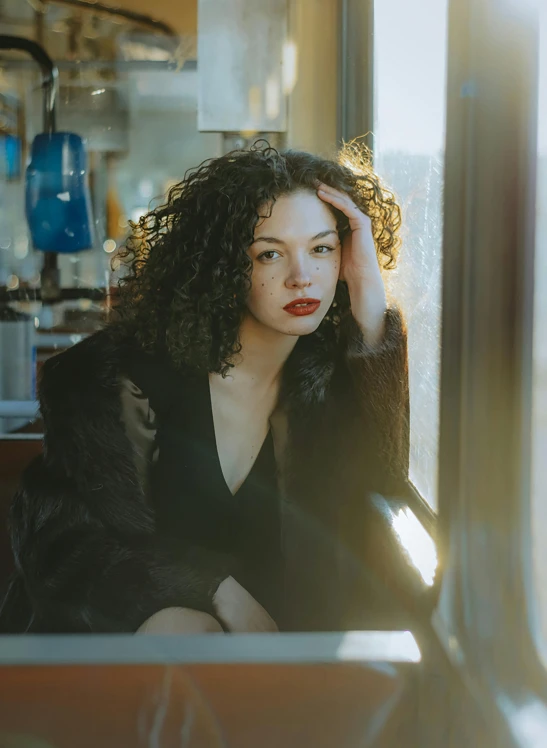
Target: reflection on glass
(539, 412)
(410, 93)
(140, 134)
(417, 543)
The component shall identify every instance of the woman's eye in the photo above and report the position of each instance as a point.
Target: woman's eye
(270, 255)
(323, 249)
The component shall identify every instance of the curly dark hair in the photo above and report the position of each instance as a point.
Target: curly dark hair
(188, 268)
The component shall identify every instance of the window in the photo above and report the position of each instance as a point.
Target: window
(539, 411)
(410, 95)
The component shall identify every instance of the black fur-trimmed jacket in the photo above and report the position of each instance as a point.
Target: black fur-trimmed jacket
(87, 551)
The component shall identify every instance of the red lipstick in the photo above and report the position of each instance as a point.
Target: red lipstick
(302, 307)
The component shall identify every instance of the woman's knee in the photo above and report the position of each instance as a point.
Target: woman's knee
(180, 621)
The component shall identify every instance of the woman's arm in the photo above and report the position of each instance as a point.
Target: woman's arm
(374, 350)
(371, 385)
(83, 575)
(379, 377)
(82, 532)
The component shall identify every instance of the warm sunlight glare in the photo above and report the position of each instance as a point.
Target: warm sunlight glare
(417, 542)
(290, 58)
(378, 646)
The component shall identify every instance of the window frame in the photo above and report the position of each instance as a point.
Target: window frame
(356, 81)
(484, 618)
(494, 249)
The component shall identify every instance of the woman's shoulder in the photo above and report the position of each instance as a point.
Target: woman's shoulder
(86, 383)
(82, 411)
(318, 358)
(92, 365)
(107, 365)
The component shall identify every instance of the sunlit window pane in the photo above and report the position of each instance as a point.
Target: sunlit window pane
(410, 95)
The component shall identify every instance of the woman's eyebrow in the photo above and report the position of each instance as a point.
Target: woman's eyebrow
(269, 239)
(273, 240)
(322, 234)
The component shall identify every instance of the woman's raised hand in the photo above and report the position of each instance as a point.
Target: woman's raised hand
(360, 268)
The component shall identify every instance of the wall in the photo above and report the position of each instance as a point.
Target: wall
(313, 28)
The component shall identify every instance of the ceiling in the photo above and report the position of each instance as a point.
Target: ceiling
(182, 15)
(18, 16)
(71, 33)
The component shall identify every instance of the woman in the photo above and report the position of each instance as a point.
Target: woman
(209, 457)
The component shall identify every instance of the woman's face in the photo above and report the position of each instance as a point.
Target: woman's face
(296, 258)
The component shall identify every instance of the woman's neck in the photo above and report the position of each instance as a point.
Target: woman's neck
(263, 354)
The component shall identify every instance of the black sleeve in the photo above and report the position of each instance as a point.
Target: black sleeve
(380, 393)
(82, 532)
(81, 575)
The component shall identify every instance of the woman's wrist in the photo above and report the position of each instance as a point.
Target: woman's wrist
(368, 307)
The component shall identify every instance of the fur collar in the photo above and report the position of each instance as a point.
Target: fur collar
(96, 364)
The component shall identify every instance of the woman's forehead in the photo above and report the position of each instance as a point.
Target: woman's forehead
(298, 212)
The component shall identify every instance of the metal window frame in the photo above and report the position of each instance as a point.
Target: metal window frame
(355, 70)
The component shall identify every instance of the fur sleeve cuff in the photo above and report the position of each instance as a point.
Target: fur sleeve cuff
(392, 345)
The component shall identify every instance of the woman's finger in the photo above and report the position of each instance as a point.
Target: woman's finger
(343, 203)
(336, 195)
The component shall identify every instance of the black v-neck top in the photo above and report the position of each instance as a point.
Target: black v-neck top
(192, 501)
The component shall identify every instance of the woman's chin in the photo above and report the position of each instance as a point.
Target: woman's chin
(302, 325)
(291, 325)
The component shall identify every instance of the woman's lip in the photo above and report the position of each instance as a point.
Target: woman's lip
(303, 307)
(301, 301)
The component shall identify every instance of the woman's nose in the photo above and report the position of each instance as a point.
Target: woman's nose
(299, 275)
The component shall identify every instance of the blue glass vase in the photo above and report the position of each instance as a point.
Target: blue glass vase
(10, 157)
(58, 202)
